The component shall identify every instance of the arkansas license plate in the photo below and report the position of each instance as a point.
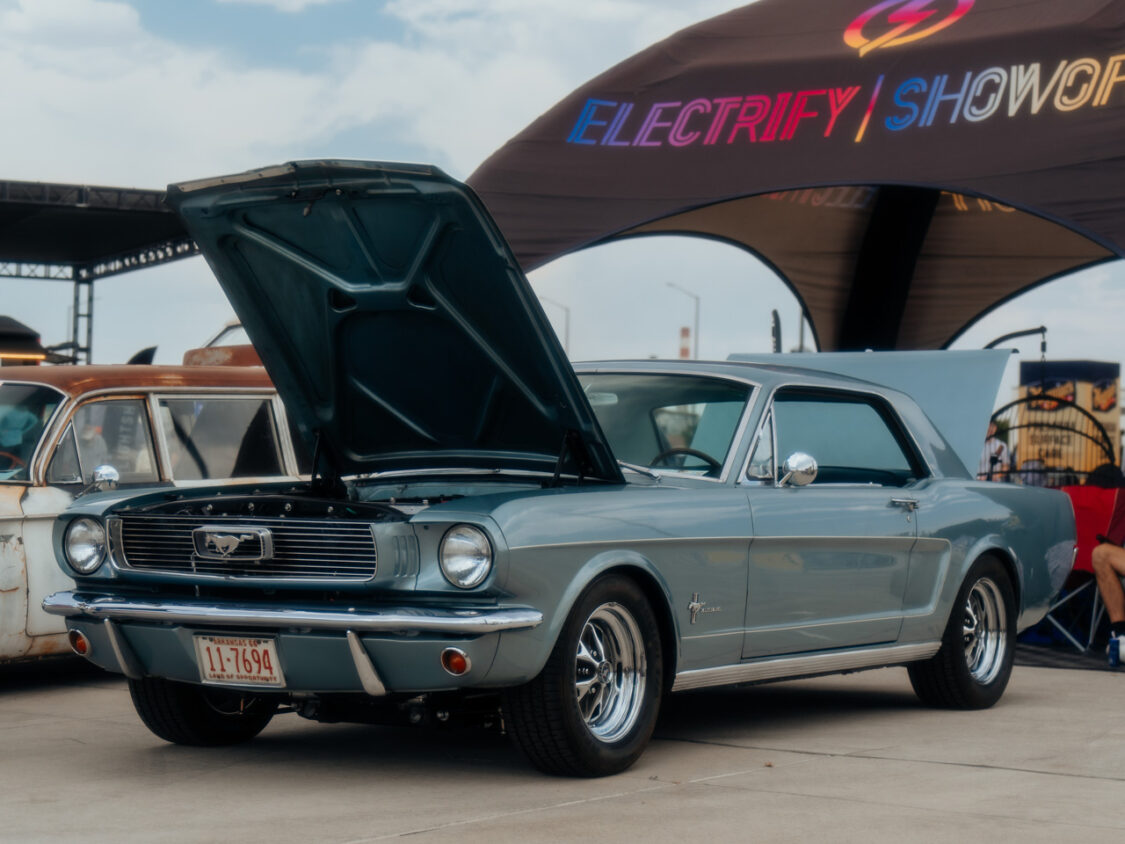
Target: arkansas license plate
(236, 661)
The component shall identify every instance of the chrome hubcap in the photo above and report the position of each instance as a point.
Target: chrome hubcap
(610, 668)
(985, 631)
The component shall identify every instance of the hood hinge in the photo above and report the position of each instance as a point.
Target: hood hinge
(325, 482)
(575, 446)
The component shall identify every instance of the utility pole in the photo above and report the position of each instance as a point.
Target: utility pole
(695, 330)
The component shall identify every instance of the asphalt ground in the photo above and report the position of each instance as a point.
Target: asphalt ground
(851, 758)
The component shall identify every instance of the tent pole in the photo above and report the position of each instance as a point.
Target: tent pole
(884, 269)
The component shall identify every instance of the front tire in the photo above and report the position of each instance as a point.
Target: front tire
(592, 709)
(972, 669)
(199, 716)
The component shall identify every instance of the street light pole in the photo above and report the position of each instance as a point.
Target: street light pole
(566, 321)
(695, 330)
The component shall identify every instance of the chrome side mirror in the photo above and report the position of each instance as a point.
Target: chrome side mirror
(106, 478)
(799, 468)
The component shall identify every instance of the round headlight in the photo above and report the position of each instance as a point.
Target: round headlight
(84, 545)
(466, 556)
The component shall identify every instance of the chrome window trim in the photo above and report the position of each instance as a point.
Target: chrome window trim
(740, 428)
(913, 443)
(285, 442)
(35, 469)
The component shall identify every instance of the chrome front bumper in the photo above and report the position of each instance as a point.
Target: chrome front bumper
(107, 612)
(383, 620)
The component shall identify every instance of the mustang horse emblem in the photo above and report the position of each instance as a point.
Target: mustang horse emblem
(226, 544)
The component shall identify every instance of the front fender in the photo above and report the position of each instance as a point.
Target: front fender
(521, 655)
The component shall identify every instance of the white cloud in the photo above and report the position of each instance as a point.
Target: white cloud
(288, 6)
(102, 100)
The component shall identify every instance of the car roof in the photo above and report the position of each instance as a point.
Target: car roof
(78, 380)
(765, 374)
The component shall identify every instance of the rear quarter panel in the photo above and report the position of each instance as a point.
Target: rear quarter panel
(1031, 529)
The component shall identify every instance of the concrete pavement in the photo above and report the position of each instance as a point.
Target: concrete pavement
(852, 758)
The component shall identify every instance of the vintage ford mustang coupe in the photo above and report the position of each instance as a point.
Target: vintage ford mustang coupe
(491, 533)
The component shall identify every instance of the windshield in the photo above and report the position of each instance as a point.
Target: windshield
(679, 423)
(24, 412)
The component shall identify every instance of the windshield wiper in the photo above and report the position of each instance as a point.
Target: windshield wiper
(640, 470)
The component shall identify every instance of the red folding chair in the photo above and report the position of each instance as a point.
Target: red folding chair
(1099, 512)
(1099, 516)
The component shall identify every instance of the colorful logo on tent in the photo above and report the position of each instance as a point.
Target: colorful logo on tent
(903, 21)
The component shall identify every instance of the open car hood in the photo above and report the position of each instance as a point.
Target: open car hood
(393, 319)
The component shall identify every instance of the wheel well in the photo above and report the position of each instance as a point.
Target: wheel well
(1010, 567)
(659, 603)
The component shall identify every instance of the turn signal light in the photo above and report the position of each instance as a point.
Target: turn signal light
(78, 642)
(455, 661)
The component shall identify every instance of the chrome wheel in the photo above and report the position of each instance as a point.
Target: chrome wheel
(610, 672)
(984, 631)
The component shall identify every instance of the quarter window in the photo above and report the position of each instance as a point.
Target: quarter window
(211, 438)
(853, 439)
(761, 462)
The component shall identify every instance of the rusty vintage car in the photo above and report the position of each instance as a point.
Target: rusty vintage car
(66, 431)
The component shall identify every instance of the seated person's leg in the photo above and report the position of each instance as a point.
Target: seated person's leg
(1109, 567)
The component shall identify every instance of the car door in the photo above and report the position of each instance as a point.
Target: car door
(829, 561)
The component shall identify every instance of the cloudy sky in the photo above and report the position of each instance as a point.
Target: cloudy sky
(145, 92)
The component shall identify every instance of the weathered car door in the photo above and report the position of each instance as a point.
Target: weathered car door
(108, 430)
(26, 410)
(829, 561)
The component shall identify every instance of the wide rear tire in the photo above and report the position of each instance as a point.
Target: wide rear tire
(592, 709)
(972, 669)
(200, 716)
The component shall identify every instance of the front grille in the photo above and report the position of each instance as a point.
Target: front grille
(245, 547)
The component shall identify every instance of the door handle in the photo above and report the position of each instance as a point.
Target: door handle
(909, 504)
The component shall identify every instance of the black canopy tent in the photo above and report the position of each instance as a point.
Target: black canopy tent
(904, 165)
(82, 233)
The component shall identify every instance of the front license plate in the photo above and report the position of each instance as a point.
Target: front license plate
(236, 661)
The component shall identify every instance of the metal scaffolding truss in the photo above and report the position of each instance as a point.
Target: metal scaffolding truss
(81, 234)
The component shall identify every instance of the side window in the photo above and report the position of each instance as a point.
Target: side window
(113, 432)
(64, 468)
(218, 438)
(852, 438)
(761, 462)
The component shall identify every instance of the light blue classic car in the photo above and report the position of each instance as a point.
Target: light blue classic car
(491, 534)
